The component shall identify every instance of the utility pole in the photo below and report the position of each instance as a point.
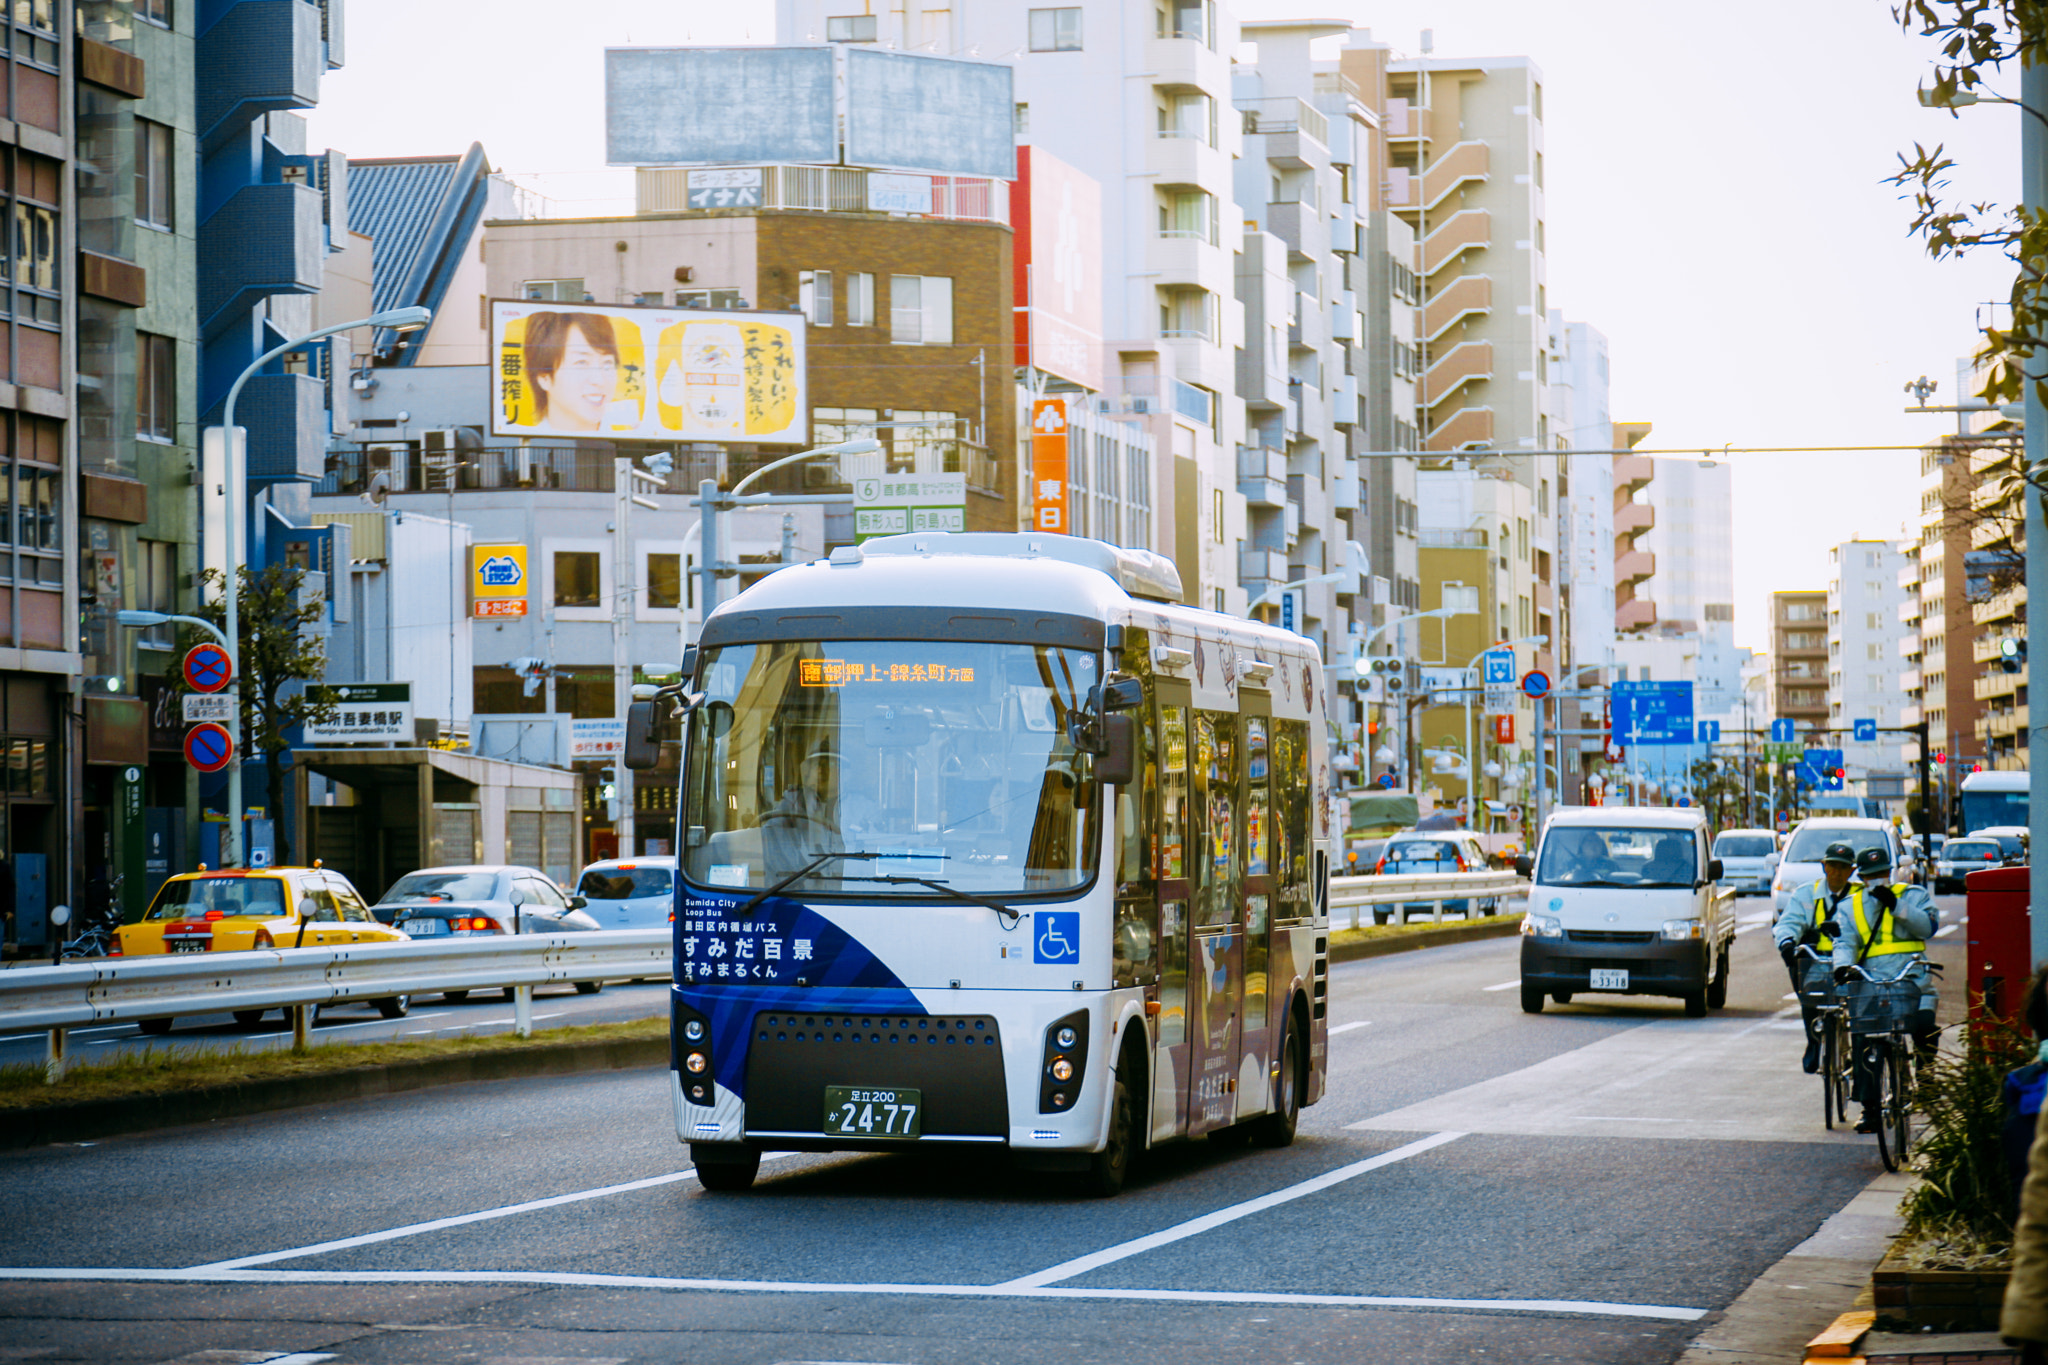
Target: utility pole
(2034, 197)
(626, 495)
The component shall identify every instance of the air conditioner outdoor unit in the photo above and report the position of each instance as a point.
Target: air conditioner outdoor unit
(821, 473)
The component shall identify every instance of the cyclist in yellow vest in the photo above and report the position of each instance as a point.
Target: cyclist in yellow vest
(1884, 929)
(1814, 904)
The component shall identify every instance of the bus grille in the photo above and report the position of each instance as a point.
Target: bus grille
(956, 1060)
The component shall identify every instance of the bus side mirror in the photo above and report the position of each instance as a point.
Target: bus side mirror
(1522, 865)
(1125, 694)
(643, 750)
(1117, 763)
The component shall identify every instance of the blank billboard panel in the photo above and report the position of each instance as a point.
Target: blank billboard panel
(929, 114)
(719, 106)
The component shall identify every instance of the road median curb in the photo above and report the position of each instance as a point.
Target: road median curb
(93, 1119)
(1504, 926)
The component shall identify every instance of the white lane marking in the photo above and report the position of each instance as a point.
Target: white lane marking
(1346, 1028)
(456, 1221)
(460, 1219)
(1503, 986)
(1094, 1260)
(1945, 930)
(1588, 1308)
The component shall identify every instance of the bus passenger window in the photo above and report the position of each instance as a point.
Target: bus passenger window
(1173, 792)
(1257, 826)
(1217, 772)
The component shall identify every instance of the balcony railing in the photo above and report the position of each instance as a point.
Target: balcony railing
(1285, 114)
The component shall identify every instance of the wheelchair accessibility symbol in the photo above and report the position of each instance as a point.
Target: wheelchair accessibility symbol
(1057, 936)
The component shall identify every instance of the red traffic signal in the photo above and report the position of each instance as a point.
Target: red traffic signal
(1941, 756)
(1838, 773)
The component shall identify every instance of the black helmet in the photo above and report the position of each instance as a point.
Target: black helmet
(1840, 853)
(1875, 859)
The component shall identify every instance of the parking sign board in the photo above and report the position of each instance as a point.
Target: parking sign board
(1497, 667)
(1651, 712)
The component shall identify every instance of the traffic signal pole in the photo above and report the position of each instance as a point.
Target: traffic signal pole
(2034, 197)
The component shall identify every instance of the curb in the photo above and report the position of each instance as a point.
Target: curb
(90, 1119)
(1500, 926)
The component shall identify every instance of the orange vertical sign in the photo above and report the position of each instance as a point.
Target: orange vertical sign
(1049, 465)
(1504, 729)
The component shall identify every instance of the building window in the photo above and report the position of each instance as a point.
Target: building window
(721, 299)
(1187, 313)
(158, 590)
(664, 581)
(153, 152)
(850, 28)
(1216, 515)
(31, 258)
(860, 299)
(814, 296)
(921, 310)
(1056, 30)
(1190, 213)
(1020, 122)
(156, 387)
(555, 291)
(155, 11)
(576, 578)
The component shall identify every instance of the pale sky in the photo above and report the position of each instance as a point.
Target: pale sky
(1713, 197)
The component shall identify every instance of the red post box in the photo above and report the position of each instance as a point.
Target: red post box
(2001, 939)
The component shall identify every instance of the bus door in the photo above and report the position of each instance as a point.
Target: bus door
(1174, 854)
(1216, 944)
(1257, 861)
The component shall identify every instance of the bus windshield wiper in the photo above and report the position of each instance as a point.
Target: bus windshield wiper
(1008, 916)
(793, 878)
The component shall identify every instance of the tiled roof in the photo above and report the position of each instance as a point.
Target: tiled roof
(420, 214)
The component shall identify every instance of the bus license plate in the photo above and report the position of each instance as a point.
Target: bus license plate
(858, 1111)
(1609, 980)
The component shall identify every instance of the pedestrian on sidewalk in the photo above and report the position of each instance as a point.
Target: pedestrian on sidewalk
(2024, 1320)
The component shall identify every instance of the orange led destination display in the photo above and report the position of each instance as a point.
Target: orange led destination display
(838, 673)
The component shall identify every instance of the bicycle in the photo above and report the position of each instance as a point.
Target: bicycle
(97, 938)
(1880, 1021)
(1831, 1021)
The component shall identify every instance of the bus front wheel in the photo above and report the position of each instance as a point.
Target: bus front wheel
(725, 1167)
(1108, 1167)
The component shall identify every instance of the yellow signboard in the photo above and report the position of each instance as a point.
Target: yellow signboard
(497, 580)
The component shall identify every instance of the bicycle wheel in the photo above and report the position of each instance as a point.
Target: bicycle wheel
(1830, 1070)
(1839, 1072)
(1901, 1116)
(1879, 1077)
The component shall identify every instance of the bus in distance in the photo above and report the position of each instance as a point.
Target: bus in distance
(1994, 799)
(986, 841)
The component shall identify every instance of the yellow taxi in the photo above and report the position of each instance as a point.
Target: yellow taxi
(235, 909)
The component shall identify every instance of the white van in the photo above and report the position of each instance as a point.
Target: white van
(1625, 901)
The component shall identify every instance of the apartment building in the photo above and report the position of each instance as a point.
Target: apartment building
(1865, 635)
(1692, 539)
(1633, 514)
(1936, 575)
(1799, 657)
(1464, 169)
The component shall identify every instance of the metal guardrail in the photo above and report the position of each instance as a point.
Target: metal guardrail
(1433, 887)
(298, 980)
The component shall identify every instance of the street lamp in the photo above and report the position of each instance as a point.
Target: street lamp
(1356, 563)
(143, 620)
(234, 475)
(711, 503)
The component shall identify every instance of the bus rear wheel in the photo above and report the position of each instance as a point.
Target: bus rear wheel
(1277, 1128)
(726, 1167)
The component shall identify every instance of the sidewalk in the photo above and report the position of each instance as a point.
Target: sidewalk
(1795, 1303)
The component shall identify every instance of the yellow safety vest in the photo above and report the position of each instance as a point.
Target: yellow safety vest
(1821, 915)
(1886, 940)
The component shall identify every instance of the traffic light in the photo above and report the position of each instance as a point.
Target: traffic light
(608, 789)
(1941, 757)
(660, 462)
(2012, 653)
(1386, 680)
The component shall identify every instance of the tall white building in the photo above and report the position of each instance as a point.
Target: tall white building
(1864, 664)
(1585, 504)
(1693, 539)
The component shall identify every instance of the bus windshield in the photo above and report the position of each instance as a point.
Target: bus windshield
(1991, 809)
(865, 764)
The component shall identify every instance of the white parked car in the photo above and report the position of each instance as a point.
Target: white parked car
(1810, 839)
(630, 893)
(1749, 858)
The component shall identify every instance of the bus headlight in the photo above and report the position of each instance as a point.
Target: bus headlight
(1062, 1070)
(695, 1063)
(694, 1031)
(1681, 929)
(1064, 1059)
(1542, 926)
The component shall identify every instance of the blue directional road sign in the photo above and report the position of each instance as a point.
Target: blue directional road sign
(1865, 731)
(1651, 712)
(1710, 732)
(1782, 732)
(1817, 769)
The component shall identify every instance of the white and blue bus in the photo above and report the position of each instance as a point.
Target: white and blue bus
(1992, 800)
(985, 840)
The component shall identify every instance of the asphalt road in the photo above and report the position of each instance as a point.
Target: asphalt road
(1588, 1185)
(431, 1016)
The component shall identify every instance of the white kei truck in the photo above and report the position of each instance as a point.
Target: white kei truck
(1625, 900)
